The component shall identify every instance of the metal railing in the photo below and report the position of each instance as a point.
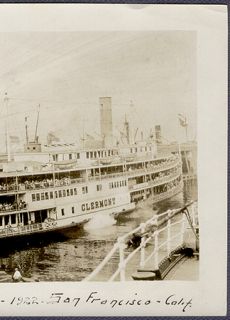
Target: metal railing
(14, 208)
(156, 181)
(168, 193)
(9, 231)
(46, 185)
(171, 223)
(19, 230)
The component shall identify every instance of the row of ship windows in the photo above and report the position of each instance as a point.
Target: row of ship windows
(141, 149)
(71, 192)
(117, 184)
(100, 153)
(57, 194)
(72, 156)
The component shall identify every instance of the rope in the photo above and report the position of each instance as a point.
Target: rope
(188, 216)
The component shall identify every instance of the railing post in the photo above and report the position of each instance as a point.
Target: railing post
(142, 261)
(169, 234)
(121, 247)
(156, 249)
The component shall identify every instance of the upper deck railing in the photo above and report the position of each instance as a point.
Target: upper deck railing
(159, 235)
(50, 183)
(5, 208)
(157, 181)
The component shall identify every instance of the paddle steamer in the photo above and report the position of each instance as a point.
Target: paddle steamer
(50, 188)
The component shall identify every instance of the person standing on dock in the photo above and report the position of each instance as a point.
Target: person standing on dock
(17, 277)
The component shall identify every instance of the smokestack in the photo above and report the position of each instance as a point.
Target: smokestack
(158, 134)
(106, 121)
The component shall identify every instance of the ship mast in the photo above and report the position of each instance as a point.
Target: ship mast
(6, 100)
(26, 128)
(127, 130)
(36, 137)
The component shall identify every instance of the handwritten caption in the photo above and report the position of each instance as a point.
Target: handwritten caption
(94, 299)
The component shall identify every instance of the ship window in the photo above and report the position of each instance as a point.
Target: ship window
(67, 192)
(46, 195)
(71, 192)
(99, 187)
(64, 193)
(56, 194)
(70, 156)
(78, 155)
(38, 196)
(75, 191)
(62, 212)
(87, 155)
(84, 190)
(42, 196)
(33, 197)
(91, 154)
(13, 218)
(95, 154)
(51, 195)
(72, 209)
(108, 152)
(60, 193)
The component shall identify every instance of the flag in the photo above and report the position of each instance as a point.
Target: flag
(89, 137)
(51, 137)
(14, 139)
(182, 120)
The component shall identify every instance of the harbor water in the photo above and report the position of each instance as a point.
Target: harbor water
(75, 253)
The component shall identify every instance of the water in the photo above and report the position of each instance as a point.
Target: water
(75, 254)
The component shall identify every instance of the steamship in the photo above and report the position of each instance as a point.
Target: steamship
(52, 187)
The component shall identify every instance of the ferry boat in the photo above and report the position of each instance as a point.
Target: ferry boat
(50, 188)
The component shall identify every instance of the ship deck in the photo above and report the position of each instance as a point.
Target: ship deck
(186, 269)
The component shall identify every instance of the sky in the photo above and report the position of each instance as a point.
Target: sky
(150, 75)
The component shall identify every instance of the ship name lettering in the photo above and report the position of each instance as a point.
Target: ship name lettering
(97, 204)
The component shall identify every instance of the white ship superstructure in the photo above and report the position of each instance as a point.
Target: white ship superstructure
(60, 187)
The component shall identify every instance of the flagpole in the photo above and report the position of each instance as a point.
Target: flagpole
(6, 99)
(186, 129)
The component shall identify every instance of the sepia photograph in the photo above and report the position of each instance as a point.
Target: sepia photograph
(98, 166)
(99, 162)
